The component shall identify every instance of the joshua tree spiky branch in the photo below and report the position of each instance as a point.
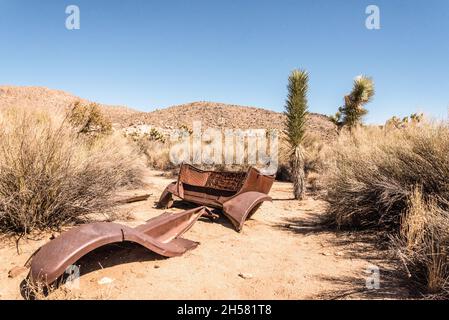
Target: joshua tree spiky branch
(351, 114)
(296, 113)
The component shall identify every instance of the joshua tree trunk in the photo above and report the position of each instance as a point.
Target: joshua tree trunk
(298, 174)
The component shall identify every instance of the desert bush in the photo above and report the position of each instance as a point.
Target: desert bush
(156, 152)
(155, 135)
(50, 175)
(397, 182)
(397, 123)
(373, 172)
(88, 119)
(423, 244)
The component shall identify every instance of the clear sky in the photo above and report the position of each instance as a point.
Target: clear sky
(148, 54)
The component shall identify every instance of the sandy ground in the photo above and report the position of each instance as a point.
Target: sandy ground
(278, 253)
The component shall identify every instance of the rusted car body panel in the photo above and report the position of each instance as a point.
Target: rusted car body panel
(161, 235)
(237, 194)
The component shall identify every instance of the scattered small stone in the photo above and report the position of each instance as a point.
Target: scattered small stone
(339, 253)
(16, 271)
(105, 280)
(156, 266)
(325, 253)
(246, 275)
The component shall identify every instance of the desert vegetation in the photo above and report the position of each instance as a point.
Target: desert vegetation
(63, 166)
(296, 117)
(352, 112)
(53, 174)
(88, 119)
(395, 181)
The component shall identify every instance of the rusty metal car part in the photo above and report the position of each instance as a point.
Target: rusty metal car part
(237, 194)
(161, 235)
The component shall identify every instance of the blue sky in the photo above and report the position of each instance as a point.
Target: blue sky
(149, 54)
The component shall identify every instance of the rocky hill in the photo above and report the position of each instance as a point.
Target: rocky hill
(39, 97)
(211, 114)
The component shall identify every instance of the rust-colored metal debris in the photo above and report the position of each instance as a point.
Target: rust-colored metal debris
(143, 197)
(161, 235)
(237, 194)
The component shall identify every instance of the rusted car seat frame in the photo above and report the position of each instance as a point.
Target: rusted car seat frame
(237, 194)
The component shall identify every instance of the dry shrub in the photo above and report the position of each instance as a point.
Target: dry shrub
(50, 176)
(423, 244)
(397, 182)
(88, 119)
(373, 172)
(156, 152)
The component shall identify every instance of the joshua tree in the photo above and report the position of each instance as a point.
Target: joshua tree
(296, 112)
(351, 114)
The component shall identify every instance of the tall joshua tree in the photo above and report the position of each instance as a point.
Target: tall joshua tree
(351, 114)
(296, 113)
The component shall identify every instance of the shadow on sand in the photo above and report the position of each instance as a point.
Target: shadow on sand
(366, 245)
(222, 220)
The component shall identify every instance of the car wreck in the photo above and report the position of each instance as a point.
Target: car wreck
(237, 194)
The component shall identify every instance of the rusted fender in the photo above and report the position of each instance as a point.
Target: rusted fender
(166, 198)
(243, 206)
(160, 235)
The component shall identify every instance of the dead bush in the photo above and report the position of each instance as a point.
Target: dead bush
(423, 245)
(373, 172)
(50, 176)
(397, 182)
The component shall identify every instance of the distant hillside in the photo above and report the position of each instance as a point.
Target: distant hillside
(221, 115)
(39, 97)
(211, 114)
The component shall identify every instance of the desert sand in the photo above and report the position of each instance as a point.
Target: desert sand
(279, 254)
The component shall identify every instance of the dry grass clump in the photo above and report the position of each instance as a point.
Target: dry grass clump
(156, 152)
(373, 172)
(51, 176)
(397, 181)
(423, 245)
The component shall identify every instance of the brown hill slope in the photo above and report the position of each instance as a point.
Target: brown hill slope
(211, 114)
(39, 97)
(219, 115)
